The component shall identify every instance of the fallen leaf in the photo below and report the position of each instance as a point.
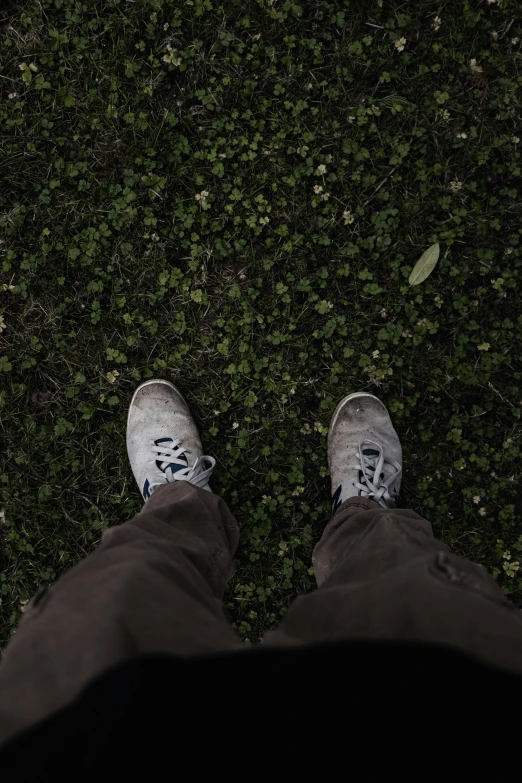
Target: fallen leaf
(425, 265)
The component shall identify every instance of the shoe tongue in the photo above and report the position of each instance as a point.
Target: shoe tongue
(174, 467)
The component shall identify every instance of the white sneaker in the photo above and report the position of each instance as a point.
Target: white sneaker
(364, 452)
(163, 442)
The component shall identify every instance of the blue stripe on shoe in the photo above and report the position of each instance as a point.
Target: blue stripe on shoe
(174, 468)
(336, 499)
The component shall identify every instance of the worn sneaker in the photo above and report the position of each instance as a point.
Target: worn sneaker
(163, 442)
(364, 452)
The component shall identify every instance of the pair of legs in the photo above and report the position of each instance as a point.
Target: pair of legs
(156, 583)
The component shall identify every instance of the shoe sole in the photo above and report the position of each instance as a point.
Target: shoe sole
(149, 383)
(343, 402)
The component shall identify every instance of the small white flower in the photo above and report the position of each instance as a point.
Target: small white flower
(235, 425)
(476, 499)
(462, 135)
(483, 347)
(318, 189)
(455, 186)
(13, 95)
(474, 67)
(436, 24)
(325, 196)
(2, 323)
(202, 197)
(515, 139)
(169, 58)
(515, 40)
(321, 169)
(298, 491)
(112, 375)
(264, 220)
(494, 35)
(491, 2)
(348, 217)
(216, 412)
(291, 392)
(400, 43)
(482, 511)
(351, 118)
(376, 354)
(384, 313)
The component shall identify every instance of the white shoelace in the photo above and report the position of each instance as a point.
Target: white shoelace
(170, 454)
(372, 467)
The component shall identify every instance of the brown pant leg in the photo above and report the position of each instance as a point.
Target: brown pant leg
(155, 584)
(382, 574)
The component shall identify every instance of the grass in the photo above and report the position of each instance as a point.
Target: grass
(232, 195)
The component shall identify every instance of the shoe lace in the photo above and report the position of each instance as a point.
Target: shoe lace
(377, 474)
(171, 460)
